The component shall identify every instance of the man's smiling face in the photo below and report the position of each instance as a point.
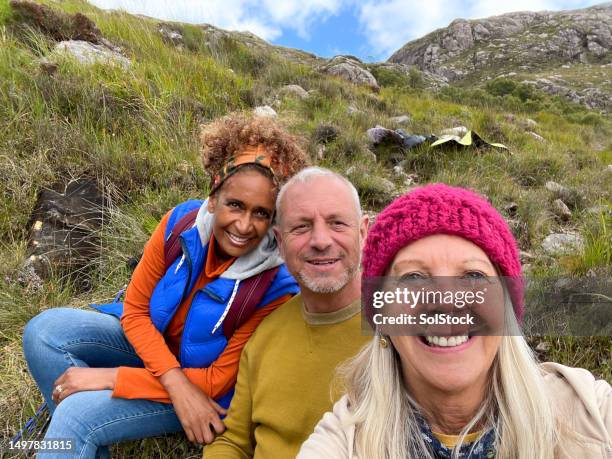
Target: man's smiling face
(319, 234)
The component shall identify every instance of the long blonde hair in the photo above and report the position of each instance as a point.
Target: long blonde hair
(516, 405)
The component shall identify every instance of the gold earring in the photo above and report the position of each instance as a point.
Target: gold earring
(383, 342)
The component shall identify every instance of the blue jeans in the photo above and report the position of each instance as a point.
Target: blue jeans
(60, 338)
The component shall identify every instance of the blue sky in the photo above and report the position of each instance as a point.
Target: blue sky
(368, 29)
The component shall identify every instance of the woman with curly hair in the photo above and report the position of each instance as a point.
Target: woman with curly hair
(209, 275)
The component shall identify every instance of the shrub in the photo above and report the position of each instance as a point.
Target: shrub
(500, 86)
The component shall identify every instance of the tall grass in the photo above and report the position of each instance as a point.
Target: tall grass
(135, 132)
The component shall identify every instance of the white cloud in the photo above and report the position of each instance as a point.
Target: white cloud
(386, 24)
(264, 18)
(389, 24)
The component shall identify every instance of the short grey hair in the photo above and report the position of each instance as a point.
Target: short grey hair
(310, 173)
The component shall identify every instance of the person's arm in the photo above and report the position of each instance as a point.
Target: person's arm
(214, 380)
(140, 331)
(332, 438)
(238, 440)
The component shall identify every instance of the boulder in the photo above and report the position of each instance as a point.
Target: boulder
(570, 197)
(88, 53)
(561, 210)
(562, 243)
(530, 124)
(265, 110)
(400, 120)
(536, 136)
(294, 90)
(325, 133)
(351, 70)
(171, 34)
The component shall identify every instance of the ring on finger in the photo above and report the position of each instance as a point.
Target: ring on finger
(58, 389)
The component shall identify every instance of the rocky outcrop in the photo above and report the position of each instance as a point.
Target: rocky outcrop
(88, 53)
(215, 38)
(570, 35)
(524, 43)
(593, 98)
(351, 69)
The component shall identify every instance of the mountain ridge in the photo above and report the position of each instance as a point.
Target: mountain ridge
(572, 46)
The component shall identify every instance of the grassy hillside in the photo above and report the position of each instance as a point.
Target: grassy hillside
(134, 131)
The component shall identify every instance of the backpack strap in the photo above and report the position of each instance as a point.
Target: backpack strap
(250, 294)
(172, 244)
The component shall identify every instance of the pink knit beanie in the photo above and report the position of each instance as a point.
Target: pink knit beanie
(443, 209)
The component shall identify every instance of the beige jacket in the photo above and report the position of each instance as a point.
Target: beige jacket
(584, 403)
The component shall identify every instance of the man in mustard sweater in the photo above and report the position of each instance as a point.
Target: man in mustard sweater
(287, 367)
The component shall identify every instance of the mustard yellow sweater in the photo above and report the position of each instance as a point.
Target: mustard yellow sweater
(284, 379)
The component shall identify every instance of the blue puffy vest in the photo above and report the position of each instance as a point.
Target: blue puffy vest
(201, 343)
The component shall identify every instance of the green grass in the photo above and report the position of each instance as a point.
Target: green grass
(135, 132)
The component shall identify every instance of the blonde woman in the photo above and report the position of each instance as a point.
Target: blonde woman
(463, 396)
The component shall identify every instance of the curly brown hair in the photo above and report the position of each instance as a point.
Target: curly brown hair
(227, 136)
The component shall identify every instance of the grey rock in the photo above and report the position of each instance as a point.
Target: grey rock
(400, 120)
(352, 110)
(543, 346)
(28, 277)
(386, 185)
(379, 134)
(536, 136)
(170, 34)
(561, 210)
(325, 133)
(591, 97)
(47, 66)
(294, 90)
(524, 40)
(265, 110)
(88, 53)
(531, 124)
(557, 189)
(399, 172)
(562, 243)
(351, 70)
(569, 196)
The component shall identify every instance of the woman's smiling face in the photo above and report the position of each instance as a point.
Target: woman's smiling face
(243, 209)
(462, 361)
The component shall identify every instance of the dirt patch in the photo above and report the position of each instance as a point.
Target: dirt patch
(56, 24)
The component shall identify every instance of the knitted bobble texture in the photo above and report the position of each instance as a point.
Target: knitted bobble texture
(443, 209)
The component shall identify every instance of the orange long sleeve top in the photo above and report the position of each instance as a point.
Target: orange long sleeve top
(159, 351)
